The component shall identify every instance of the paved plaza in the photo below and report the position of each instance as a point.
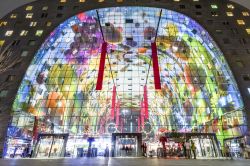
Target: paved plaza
(121, 162)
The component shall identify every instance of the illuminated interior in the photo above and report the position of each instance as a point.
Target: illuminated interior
(198, 92)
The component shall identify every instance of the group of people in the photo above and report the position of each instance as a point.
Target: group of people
(189, 149)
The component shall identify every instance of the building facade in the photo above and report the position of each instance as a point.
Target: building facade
(51, 53)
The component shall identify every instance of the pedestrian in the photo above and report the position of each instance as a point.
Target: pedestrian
(188, 150)
(193, 148)
(184, 149)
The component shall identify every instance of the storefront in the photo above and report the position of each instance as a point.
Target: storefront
(17, 148)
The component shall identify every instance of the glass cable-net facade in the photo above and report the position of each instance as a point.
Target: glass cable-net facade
(58, 92)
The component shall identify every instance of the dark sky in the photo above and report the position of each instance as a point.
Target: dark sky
(7, 5)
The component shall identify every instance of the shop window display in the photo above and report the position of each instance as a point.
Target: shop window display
(198, 92)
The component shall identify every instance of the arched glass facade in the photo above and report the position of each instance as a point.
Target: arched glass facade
(58, 92)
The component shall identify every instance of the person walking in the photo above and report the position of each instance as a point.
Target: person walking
(193, 148)
(188, 150)
(184, 149)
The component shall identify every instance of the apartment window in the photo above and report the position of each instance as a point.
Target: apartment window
(3, 93)
(10, 78)
(214, 14)
(33, 24)
(9, 33)
(2, 42)
(213, 6)
(241, 22)
(45, 8)
(245, 14)
(23, 33)
(182, 6)
(240, 63)
(198, 6)
(230, 6)
(44, 15)
(59, 15)
(15, 43)
(29, 15)
(3, 23)
(48, 24)
(24, 53)
(100, 0)
(246, 77)
(28, 8)
(13, 16)
(63, 1)
(81, 1)
(60, 7)
(39, 33)
(119, 0)
(230, 14)
(248, 31)
(31, 43)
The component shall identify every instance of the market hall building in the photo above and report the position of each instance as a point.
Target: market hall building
(101, 77)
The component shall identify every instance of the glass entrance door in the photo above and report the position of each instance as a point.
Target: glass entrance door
(50, 145)
(205, 146)
(126, 147)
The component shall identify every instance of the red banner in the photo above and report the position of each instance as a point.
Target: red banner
(157, 78)
(101, 66)
(113, 102)
(145, 95)
(142, 115)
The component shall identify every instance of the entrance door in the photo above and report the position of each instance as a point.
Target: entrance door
(126, 144)
(205, 146)
(50, 145)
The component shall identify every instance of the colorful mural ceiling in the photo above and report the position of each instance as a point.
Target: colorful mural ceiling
(198, 91)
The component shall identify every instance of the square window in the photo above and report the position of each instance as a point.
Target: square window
(3, 23)
(9, 33)
(32, 43)
(230, 14)
(230, 6)
(39, 33)
(59, 15)
(245, 14)
(10, 78)
(29, 15)
(48, 24)
(45, 8)
(23, 33)
(2, 43)
(248, 31)
(28, 8)
(33, 24)
(241, 22)
(13, 16)
(24, 53)
(214, 6)
(3, 93)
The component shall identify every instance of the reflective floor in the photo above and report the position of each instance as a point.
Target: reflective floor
(121, 162)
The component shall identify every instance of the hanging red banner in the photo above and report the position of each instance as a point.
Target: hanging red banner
(112, 114)
(142, 114)
(117, 118)
(101, 66)
(157, 79)
(145, 95)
